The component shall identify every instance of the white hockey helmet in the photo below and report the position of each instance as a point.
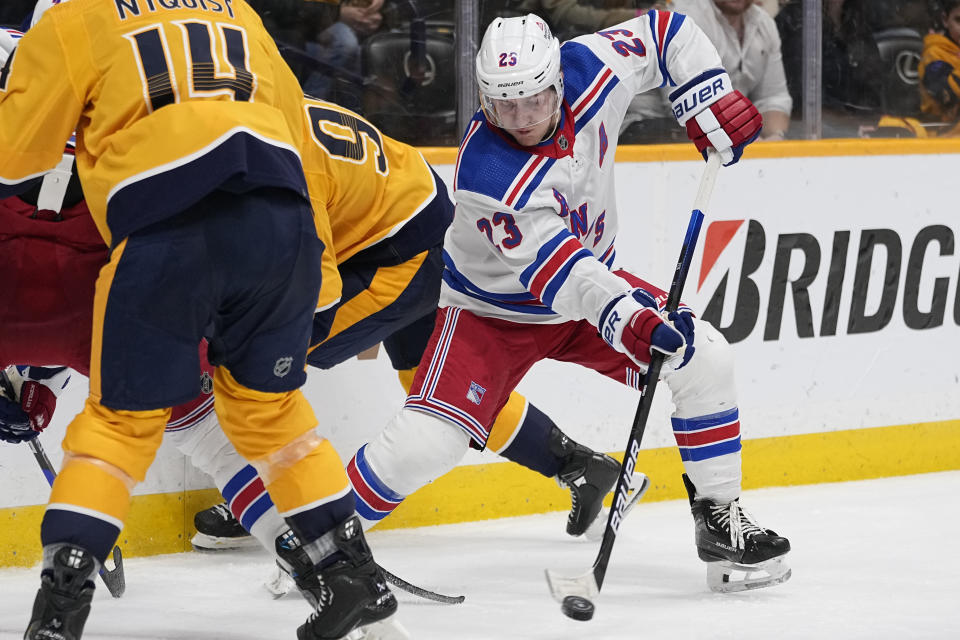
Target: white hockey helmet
(518, 58)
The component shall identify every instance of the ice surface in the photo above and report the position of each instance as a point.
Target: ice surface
(870, 559)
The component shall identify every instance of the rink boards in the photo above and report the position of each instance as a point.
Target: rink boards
(832, 267)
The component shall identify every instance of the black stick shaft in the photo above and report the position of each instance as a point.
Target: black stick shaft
(620, 498)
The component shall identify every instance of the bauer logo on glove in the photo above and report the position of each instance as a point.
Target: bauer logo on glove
(716, 115)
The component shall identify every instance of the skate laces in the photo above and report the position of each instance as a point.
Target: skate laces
(322, 597)
(223, 511)
(741, 524)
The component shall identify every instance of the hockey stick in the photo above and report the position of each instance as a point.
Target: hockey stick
(595, 531)
(576, 594)
(113, 578)
(400, 583)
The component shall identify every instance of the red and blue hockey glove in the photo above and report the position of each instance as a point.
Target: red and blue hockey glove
(24, 418)
(727, 125)
(38, 402)
(14, 422)
(632, 325)
(716, 115)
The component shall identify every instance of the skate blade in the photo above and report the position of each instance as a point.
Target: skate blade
(639, 483)
(731, 577)
(388, 629)
(212, 544)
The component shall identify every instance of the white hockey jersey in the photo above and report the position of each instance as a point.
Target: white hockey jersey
(533, 236)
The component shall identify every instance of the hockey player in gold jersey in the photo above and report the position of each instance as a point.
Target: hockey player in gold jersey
(188, 129)
(388, 214)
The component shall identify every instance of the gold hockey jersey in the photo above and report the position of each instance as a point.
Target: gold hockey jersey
(378, 193)
(171, 99)
(370, 184)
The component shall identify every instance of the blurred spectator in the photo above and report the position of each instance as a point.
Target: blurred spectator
(940, 70)
(571, 18)
(321, 41)
(852, 68)
(339, 44)
(746, 37)
(772, 7)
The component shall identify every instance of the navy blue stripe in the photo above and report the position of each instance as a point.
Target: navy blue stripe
(695, 81)
(240, 479)
(652, 16)
(488, 166)
(93, 534)
(366, 511)
(313, 523)
(530, 309)
(705, 422)
(581, 67)
(239, 164)
(675, 23)
(259, 507)
(39, 373)
(550, 291)
(532, 186)
(598, 102)
(546, 250)
(465, 282)
(372, 480)
(688, 454)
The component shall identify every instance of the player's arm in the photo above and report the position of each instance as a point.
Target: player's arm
(35, 125)
(666, 49)
(557, 269)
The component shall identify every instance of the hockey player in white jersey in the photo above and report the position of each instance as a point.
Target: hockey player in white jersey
(528, 267)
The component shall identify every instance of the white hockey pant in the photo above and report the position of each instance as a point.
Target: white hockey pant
(706, 421)
(414, 449)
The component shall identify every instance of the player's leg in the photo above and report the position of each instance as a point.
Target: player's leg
(141, 361)
(523, 434)
(375, 300)
(429, 436)
(706, 427)
(259, 348)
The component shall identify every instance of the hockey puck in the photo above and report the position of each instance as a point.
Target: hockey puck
(577, 608)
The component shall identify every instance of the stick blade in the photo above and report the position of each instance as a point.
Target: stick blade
(583, 586)
(114, 579)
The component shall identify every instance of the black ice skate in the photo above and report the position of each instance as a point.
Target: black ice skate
(740, 554)
(589, 475)
(218, 530)
(347, 595)
(63, 602)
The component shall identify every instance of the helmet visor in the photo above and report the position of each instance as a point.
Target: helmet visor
(521, 113)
